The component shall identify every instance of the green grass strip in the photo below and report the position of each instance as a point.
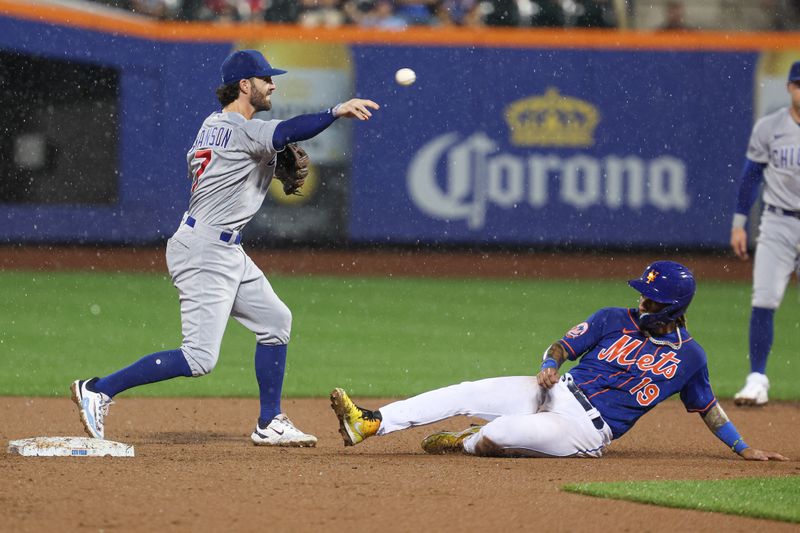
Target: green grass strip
(776, 498)
(380, 336)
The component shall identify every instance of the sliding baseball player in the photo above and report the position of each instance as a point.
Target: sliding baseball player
(630, 361)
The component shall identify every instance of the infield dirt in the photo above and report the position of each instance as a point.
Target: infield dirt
(196, 470)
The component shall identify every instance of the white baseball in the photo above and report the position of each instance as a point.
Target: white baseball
(405, 76)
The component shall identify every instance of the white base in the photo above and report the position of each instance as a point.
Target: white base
(69, 447)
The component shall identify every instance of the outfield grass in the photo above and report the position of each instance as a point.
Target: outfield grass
(773, 498)
(374, 336)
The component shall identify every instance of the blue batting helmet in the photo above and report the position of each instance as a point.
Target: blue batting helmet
(665, 282)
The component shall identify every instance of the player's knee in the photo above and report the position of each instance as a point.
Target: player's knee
(766, 301)
(280, 328)
(284, 328)
(486, 447)
(201, 361)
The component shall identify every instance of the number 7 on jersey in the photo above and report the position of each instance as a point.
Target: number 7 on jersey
(200, 161)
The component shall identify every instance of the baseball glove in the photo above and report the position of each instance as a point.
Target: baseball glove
(292, 168)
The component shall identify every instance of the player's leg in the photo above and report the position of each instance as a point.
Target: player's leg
(259, 309)
(487, 399)
(206, 291)
(544, 434)
(775, 259)
(561, 428)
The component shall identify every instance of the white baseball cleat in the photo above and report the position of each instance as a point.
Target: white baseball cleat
(93, 407)
(281, 432)
(754, 391)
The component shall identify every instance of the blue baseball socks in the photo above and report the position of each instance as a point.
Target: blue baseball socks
(149, 369)
(761, 331)
(270, 363)
(270, 367)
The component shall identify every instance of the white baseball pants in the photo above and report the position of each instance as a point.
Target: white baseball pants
(215, 280)
(524, 420)
(777, 255)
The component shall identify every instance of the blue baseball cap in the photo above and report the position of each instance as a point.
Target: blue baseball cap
(794, 72)
(246, 64)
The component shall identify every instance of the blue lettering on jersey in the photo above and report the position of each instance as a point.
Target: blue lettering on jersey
(210, 137)
(786, 156)
(625, 375)
(223, 139)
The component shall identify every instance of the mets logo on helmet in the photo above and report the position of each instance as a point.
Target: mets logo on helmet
(578, 330)
(651, 276)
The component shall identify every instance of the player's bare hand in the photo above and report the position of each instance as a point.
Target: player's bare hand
(356, 108)
(752, 454)
(547, 378)
(739, 243)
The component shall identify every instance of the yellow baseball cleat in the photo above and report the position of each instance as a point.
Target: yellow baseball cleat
(448, 441)
(355, 423)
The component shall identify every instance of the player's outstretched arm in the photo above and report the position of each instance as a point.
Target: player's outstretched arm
(719, 424)
(303, 127)
(356, 108)
(554, 357)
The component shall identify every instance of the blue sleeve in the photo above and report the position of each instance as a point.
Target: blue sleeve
(752, 175)
(584, 336)
(696, 394)
(300, 128)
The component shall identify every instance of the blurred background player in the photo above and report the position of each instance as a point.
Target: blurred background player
(231, 164)
(773, 156)
(630, 361)
(674, 16)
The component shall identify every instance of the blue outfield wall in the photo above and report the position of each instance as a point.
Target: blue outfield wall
(552, 147)
(490, 146)
(166, 90)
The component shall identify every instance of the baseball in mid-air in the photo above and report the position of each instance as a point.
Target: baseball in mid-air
(405, 76)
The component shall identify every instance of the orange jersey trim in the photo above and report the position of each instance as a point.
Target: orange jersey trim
(633, 321)
(627, 380)
(598, 393)
(565, 343)
(600, 375)
(704, 409)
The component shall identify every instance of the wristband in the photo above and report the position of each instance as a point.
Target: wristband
(739, 221)
(549, 362)
(730, 436)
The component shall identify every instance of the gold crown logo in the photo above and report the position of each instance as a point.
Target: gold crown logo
(552, 120)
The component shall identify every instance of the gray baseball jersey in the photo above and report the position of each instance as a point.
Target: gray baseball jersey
(775, 140)
(231, 164)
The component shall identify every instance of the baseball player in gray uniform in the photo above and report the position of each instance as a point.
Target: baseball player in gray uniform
(231, 164)
(773, 156)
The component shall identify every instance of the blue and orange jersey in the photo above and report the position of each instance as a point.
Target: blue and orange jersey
(624, 374)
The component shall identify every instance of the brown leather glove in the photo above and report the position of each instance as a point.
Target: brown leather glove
(292, 168)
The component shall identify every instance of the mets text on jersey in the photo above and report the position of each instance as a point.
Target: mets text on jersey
(665, 364)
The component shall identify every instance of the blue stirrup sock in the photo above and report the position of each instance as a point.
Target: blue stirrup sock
(761, 331)
(270, 367)
(151, 368)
